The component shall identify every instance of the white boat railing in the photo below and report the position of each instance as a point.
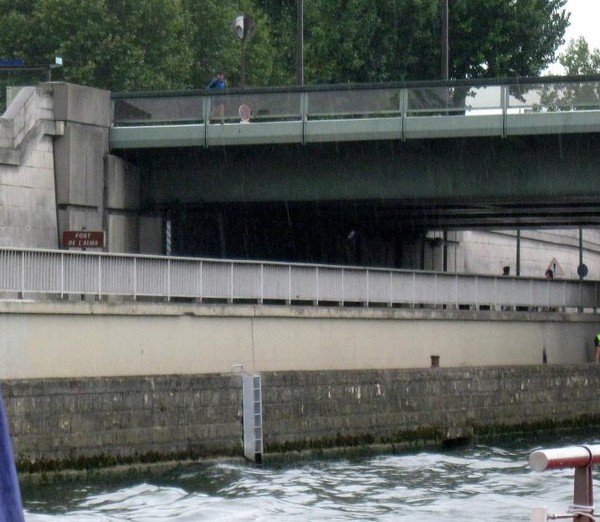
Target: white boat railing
(35, 273)
(581, 459)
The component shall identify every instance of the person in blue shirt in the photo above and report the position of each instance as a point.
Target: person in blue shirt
(218, 83)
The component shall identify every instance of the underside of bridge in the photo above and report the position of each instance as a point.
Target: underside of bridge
(365, 202)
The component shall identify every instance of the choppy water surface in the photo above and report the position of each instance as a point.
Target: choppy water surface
(472, 483)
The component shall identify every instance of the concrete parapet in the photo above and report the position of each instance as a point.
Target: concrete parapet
(78, 104)
(94, 190)
(32, 108)
(60, 184)
(101, 339)
(79, 159)
(27, 187)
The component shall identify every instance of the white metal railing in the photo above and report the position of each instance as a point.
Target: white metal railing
(34, 273)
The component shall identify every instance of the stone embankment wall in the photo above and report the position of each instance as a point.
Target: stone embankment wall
(87, 422)
(27, 175)
(57, 173)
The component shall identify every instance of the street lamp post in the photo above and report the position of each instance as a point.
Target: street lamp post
(300, 42)
(447, 97)
(444, 39)
(244, 28)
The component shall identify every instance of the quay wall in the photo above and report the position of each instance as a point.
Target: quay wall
(83, 422)
(97, 382)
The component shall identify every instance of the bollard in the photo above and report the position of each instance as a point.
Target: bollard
(435, 361)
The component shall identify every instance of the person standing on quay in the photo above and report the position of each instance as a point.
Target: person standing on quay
(218, 83)
(597, 346)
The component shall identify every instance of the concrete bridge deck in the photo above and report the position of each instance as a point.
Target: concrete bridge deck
(460, 154)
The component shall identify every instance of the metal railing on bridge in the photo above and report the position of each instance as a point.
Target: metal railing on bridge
(40, 274)
(406, 110)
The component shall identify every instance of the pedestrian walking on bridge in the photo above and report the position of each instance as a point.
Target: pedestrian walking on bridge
(218, 83)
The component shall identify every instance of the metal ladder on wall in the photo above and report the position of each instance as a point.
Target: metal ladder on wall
(252, 417)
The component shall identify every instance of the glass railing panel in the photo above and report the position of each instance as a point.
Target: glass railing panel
(551, 97)
(458, 100)
(158, 110)
(353, 103)
(437, 101)
(357, 102)
(524, 98)
(11, 80)
(264, 107)
(482, 100)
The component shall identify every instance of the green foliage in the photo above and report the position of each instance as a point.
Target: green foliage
(217, 49)
(393, 40)
(180, 44)
(576, 60)
(498, 38)
(113, 44)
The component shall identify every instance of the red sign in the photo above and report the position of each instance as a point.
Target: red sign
(82, 239)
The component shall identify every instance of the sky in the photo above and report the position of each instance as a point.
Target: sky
(585, 15)
(585, 19)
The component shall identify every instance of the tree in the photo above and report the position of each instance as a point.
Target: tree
(577, 60)
(180, 44)
(499, 38)
(125, 45)
(217, 49)
(392, 40)
(112, 44)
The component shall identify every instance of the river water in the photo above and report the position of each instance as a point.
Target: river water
(475, 482)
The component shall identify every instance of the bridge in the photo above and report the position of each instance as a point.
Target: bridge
(353, 174)
(456, 154)
(320, 114)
